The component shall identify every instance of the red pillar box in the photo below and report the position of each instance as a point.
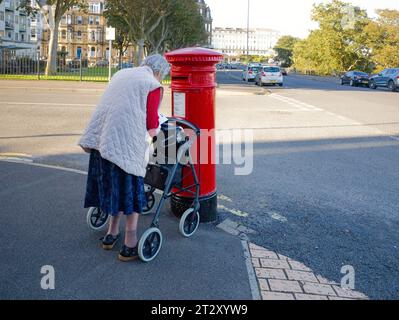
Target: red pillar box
(193, 78)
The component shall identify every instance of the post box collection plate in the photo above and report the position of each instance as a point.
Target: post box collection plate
(179, 104)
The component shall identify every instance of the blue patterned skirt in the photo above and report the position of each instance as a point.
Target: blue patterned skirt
(112, 189)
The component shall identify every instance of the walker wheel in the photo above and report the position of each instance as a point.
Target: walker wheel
(189, 222)
(150, 203)
(150, 244)
(96, 219)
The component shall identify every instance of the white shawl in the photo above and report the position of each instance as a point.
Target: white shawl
(118, 128)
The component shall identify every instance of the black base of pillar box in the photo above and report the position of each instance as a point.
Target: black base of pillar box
(208, 209)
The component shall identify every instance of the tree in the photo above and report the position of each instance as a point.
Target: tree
(284, 48)
(339, 44)
(383, 39)
(52, 11)
(122, 39)
(185, 25)
(142, 17)
(159, 25)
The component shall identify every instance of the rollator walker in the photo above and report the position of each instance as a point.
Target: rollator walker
(171, 164)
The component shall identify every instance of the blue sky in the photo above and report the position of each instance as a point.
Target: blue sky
(287, 16)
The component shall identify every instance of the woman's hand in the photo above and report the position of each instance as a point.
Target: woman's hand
(153, 132)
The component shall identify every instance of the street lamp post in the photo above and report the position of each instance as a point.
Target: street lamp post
(248, 32)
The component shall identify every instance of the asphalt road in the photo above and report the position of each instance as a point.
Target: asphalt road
(325, 180)
(325, 184)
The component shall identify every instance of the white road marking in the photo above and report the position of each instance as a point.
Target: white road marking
(46, 104)
(277, 216)
(224, 198)
(236, 212)
(303, 106)
(308, 107)
(23, 161)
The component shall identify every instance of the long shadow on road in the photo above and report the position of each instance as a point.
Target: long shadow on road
(326, 203)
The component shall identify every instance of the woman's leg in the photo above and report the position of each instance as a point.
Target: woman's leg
(113, 227)
(131, 230)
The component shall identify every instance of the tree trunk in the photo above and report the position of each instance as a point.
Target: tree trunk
(51, 67)
(140, 52)
(120, 56)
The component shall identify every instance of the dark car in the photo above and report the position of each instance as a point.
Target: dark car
(127, 65)
(355, 78)
(388, 78)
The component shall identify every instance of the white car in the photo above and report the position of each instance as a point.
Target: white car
(270, 75)
(250, 72)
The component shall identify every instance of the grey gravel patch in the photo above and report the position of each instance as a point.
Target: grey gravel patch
(236, 229)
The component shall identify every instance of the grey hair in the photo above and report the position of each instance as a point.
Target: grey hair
(157, 63)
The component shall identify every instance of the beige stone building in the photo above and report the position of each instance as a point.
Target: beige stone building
(82, 34)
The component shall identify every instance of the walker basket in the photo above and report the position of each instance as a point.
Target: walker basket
(157, 175)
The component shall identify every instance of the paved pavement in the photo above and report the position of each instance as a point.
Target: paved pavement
(324, 187)
(43, 223)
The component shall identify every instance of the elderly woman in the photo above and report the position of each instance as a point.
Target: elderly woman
(117, 140)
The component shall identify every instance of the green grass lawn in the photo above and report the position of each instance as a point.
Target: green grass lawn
(88, 74)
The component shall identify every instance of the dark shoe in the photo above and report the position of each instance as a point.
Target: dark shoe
(128, 254)
(109, 241)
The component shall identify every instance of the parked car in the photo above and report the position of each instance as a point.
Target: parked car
(250, 72)
(355, 78)
(269, 75)
(102, 63)
(127, 65)
(388, 78)
(74, 64)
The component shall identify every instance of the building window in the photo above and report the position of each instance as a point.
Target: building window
(22, 37)
(93, 36)
(1, 16)
(79, 20)
(63, 20)
(91, 21)
(63, 34)
(16, 19)
(95, 7)
(97, 20)
(93, 52)
(16, 36)
(69, 19)
(79, 34)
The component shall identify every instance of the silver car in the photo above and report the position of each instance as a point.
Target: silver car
(388, 78)
(250, 72)
(269, 75)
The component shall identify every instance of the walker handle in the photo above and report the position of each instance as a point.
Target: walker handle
(186, 123)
